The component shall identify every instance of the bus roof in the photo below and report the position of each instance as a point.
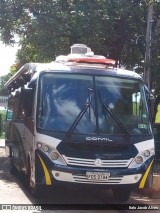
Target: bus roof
(80, 63)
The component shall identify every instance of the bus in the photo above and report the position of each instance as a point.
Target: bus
(79, 121)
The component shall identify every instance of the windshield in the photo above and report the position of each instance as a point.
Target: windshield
(87, 104)
(125, 101)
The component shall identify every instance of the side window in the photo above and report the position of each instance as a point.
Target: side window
(17, 111)
(136, 104)
(139, 109)
(27, 102)
(33, 102)
(9, 114)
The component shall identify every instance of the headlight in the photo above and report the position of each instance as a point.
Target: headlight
(54, 155)
(146, 153)
(142, 156)
(139, 160)
(45, 148)
(42, 146)
(51, 152)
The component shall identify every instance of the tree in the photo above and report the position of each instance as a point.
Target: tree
(3, 80)
(48, 28)
(155, 50)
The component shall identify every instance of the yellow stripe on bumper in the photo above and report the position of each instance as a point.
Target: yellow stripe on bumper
(142, 183)
(46, 173)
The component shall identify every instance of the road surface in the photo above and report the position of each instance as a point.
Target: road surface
(14, 191)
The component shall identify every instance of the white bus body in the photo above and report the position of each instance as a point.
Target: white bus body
(80, 122)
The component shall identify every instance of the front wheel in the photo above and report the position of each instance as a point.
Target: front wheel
(121, 194)
(12, 168)
(33, 188)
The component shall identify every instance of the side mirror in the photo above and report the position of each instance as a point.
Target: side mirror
(151, 102)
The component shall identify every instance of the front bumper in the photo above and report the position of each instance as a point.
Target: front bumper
(82, 178)
(48, 173)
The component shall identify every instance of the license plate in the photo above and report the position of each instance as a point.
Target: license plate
(97, 175)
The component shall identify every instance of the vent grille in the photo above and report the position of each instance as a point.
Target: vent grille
(111, 180)
(91, 162)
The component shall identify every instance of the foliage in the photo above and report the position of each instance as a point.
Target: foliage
(3, 80)
(155, 51)
(2, 123)
(47, 28)
(14, 68)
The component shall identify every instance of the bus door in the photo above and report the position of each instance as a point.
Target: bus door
(28, 133)
(156, 128)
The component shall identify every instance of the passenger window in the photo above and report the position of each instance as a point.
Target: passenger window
(136, 104)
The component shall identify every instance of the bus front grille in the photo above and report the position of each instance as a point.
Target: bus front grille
(83, 162)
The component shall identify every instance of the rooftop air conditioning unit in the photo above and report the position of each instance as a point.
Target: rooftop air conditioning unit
(80, 49)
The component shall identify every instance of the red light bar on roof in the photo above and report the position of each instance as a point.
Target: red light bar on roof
(95, 60)
(80, 53)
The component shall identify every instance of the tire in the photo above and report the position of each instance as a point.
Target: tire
(121, 194)
(12, 168)
(33, 189)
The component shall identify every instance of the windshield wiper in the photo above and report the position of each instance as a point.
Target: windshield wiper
(114, 117)
(82, 112)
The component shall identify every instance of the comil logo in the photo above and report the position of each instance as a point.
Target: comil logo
(97, 139)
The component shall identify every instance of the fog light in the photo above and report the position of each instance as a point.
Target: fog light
(54, 155)
(136, 177)
(146, 153)
(139, 160)
(57, 174)
(45, 148)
